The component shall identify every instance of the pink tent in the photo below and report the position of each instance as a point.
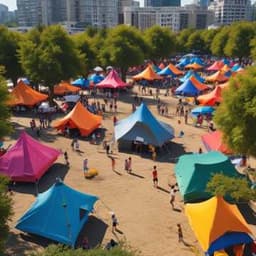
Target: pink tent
(112, 80)
(27, 160)
(217, 65)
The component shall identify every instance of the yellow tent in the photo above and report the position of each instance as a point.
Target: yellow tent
(217, 224)
(147, 74)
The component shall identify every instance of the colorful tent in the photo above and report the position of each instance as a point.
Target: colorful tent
(79, 118)
(183, 62)
(161, 66)
(96, 78)
(217, 224)
(236, 67)
(213, 141)
(197, 60)
(27, 160)
(217, 65)
(24, 95)
(81, 82)
(58, 214)
(194, 66)
(144, 125)
(170, 70)
(112, 80)
(217, 77)
(191, 87)
(64, 88)
(192, 73)
(194, 171)
(211, 98)
(156, 68)
(225, 68)
(147, 74)
(202, 110)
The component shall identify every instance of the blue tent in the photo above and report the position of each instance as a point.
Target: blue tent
(187, 89)
(197, 60)
(184, 62)
(144, 125)
(236, 67)
(225, 61)
(58, 214)
(202, 110)
(81, 82)
(96, 78)
(156, 68)
(192, 73)
(166, 72)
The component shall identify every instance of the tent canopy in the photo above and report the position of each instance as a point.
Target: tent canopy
(81, 82)
(192, 73)
(211, 98)
(193, 168)
(217, 65)
(23, 94)
(217, 224)
(170, 70)
(79, 118)
(64, 88)
(219, 76)
(27, 160)
(96, 78)
(58, 214)
(143, 124)
(147, 74)
(213, 141)
(112, 80)
(194, 66)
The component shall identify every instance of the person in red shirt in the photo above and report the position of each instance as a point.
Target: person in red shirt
(155, 177)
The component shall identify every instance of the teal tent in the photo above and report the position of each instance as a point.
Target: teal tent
(194, 171)
(58, 214)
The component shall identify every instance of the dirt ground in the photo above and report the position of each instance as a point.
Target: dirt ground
(146, 220)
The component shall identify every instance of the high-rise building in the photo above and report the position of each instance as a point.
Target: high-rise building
(161, 3)
(3, 13)
(229, 11)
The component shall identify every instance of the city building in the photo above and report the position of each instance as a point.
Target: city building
(4, 12)
(161, 3)
(229, 11)
(121, 5)
(176, 18)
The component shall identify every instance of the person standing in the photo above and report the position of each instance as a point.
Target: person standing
(113, 163)
(126, 165)
(114, 222)
(155, 176)
(85, 167)
(66, 158)
(180, 234)
(172, 196)
(129, 169)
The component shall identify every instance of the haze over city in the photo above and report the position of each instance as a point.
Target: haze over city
(12, 3)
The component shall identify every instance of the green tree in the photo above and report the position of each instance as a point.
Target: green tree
(236, 115)
(9, 45)
(124, 47)
(162, 42)
(207, 35)
(51, 57)
(5, 125)
(238, 44)
(195, 42)
(182, 39)
(219, 42)
(236, 188)
(5, 212)
(58, 250)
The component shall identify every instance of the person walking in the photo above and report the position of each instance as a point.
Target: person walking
(172, 196)
(66, 158)
(85, 167)
(155, 177)
(180, 234)
(114, 222)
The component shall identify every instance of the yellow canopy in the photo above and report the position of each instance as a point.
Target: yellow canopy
(220, 253)
(213, 218)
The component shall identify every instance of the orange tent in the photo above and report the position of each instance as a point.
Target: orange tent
(147, 74)
(79, 118)
(194, 66)
(24, 95)
(217, 77)
(210, 99)
(215, 221)
(225, 68)
(64, 87)
(200, 86)
(174, 70)
(161, 66)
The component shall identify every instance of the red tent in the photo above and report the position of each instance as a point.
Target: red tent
(27, 160)
(210, 99)
(213, 141)
(217, 65)
(112, 80)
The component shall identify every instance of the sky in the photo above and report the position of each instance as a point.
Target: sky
(12, 3)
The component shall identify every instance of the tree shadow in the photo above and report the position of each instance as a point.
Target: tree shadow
(57, 170)
(136, 175)
(248, 213)
(94, 229)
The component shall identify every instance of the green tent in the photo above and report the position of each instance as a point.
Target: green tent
(194, 171)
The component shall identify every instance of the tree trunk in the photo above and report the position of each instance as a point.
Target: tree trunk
(123, 74)
(51, 94)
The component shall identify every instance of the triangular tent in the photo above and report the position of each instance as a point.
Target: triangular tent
(58, 214)
(217, 224)
(144, 125)
(191, 87)
(225, 68)
(27, 160)
(210, 99)
(194, 66)
(217, 77)
(161, 66)
(193, 168)
(64, 88)
(170, 70)
(192, 73)
(147, 74)
(79, 118)
(24, 95)
(112, 80)
(197, 60)
(213, 142)
(217, 65)
(81, 82)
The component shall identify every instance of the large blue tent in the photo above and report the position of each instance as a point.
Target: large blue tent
(144, 125)
(81, 82)
(197, 60)
(96, 78)
(192, 73)
(58, 214)
(166, 72)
